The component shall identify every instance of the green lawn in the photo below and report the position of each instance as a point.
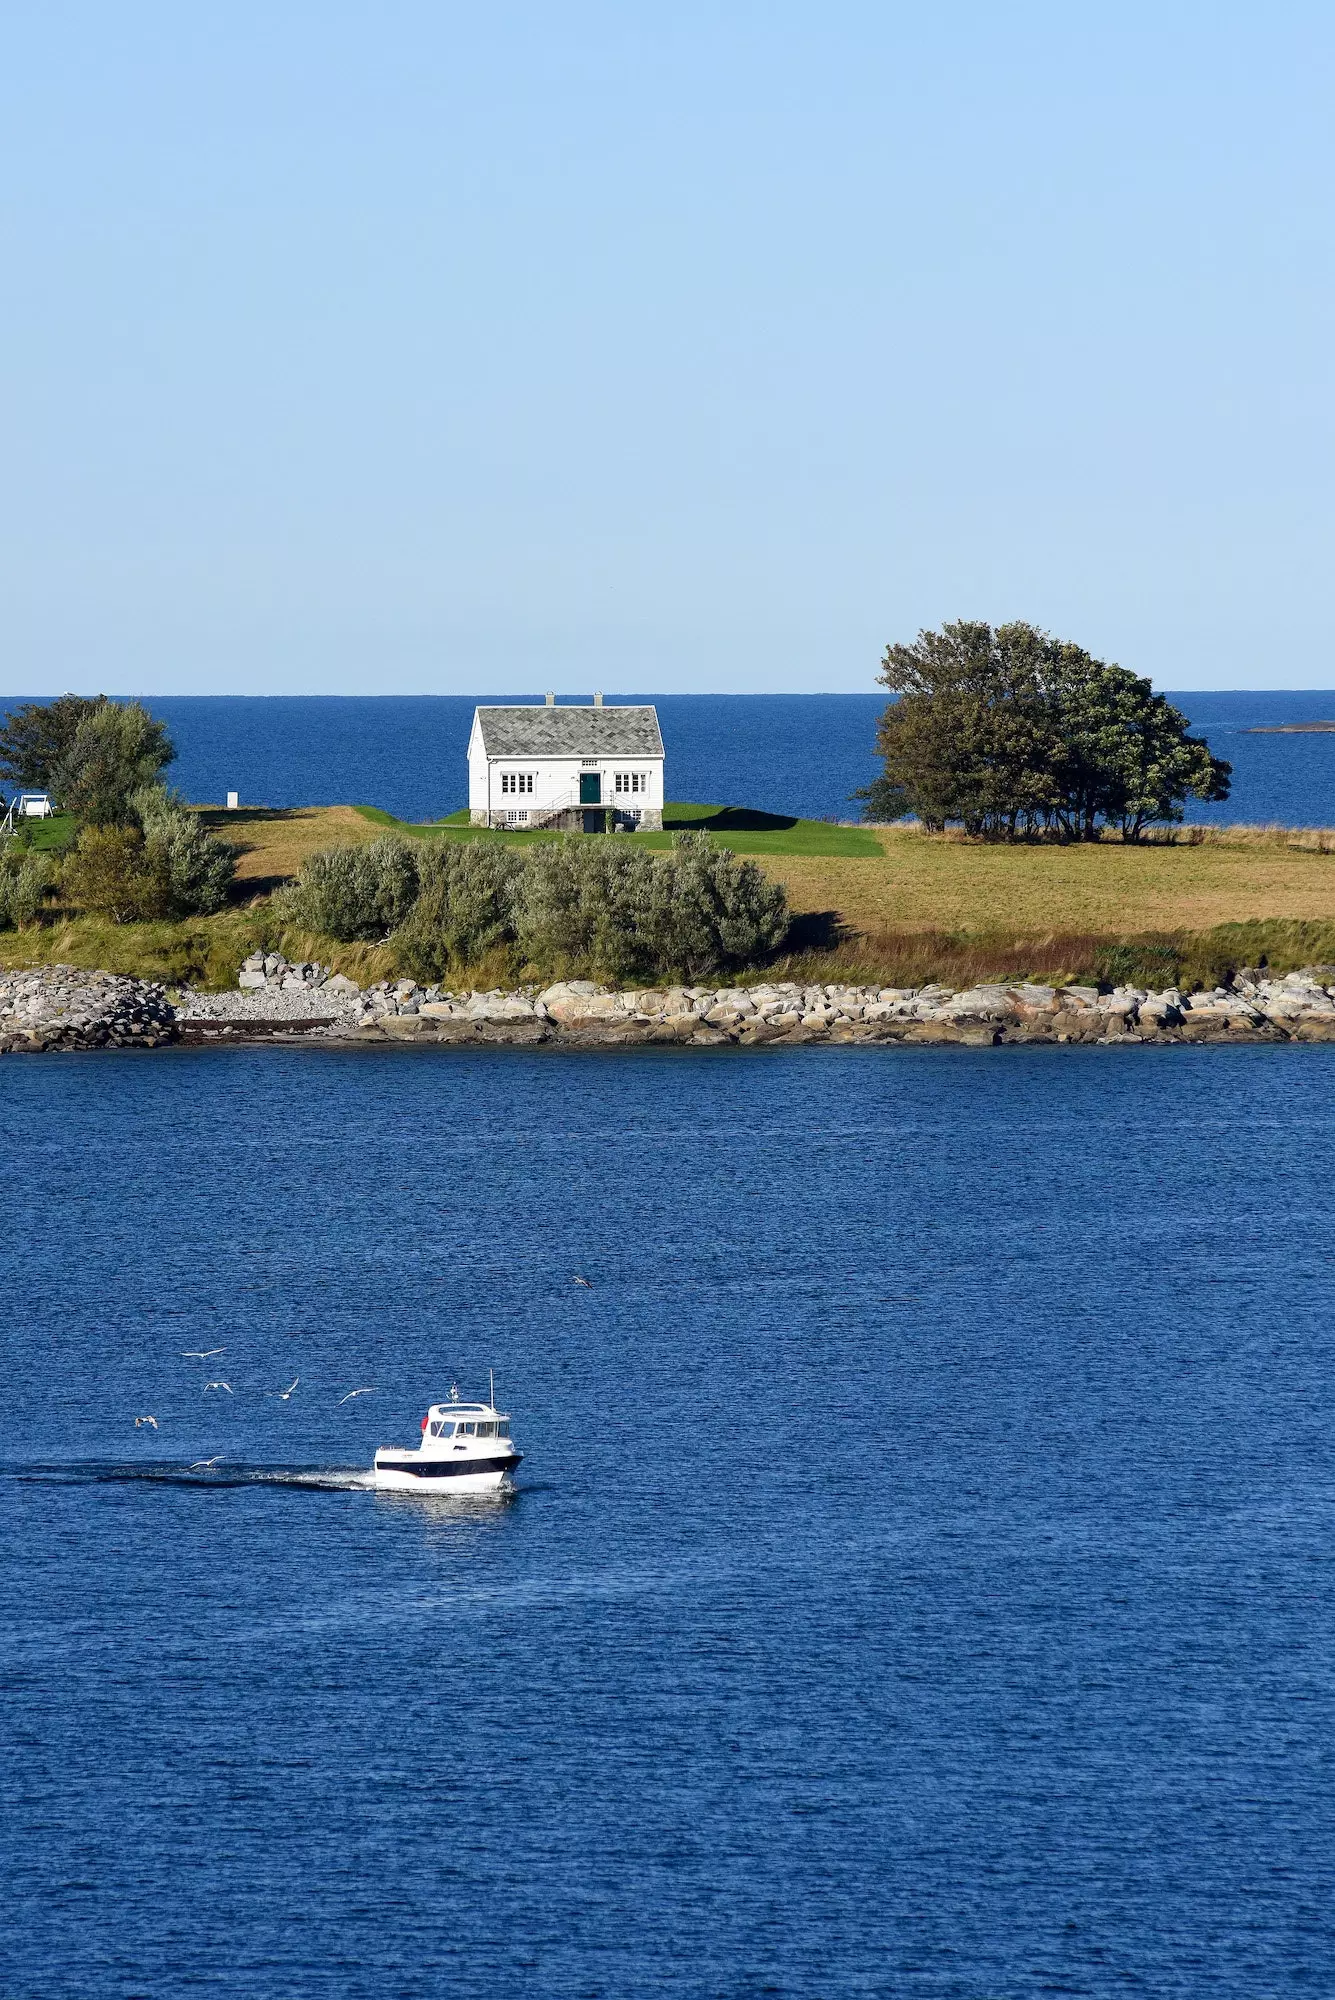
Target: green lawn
(740, 828)
(47, 836)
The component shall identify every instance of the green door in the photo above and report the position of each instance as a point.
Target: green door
(590, 788)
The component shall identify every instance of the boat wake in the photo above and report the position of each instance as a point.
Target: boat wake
(201, 1473)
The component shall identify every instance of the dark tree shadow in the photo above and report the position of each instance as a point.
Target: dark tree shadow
(817, 930)
(730, 819)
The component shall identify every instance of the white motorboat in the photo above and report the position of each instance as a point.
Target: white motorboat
(465, 1448)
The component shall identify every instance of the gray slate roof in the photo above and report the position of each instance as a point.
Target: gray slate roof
(570, 732)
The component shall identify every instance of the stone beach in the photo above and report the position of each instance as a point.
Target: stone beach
(56, 1007)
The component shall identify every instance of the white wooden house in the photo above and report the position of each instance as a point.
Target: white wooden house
(589, 769)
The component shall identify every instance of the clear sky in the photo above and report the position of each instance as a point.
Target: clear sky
(416, 346)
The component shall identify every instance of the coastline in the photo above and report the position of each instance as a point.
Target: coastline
(50, 1009)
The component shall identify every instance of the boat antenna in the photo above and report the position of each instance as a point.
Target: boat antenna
(491, 1377)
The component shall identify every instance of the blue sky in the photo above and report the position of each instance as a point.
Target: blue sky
(427, 347)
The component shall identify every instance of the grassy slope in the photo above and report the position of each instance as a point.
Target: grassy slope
(893, 904)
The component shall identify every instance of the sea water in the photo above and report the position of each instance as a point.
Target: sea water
(919, 1581)
(801, 754)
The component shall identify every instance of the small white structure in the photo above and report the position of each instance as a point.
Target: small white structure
(581, 769)
(28, 805)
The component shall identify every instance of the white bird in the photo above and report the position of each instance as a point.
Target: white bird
(356, 1392)
(202, 1353)
(283, 1394)
(203, 1464)
(586, 1282)
(145, 1420)
(219, 1385)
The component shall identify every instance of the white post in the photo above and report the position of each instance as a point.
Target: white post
(233, 801)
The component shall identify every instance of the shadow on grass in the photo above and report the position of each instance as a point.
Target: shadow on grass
(217, 818)
(817, 930)
(724, 819)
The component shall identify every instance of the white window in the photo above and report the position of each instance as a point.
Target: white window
(516, 781)
(632, 781)
(513, 818)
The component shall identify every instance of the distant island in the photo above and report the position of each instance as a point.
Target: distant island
(1290, 729)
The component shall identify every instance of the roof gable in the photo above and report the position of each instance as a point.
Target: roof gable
(569, 732)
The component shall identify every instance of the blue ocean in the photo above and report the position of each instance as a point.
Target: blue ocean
(919, 1581)
(803, 754)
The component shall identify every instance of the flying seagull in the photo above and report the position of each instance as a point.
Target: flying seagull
(586, 1282)
(356, 1392)
(283, 1394)
(202, 1353)
(203, 1464)
(219, 1385)
(145, 1420)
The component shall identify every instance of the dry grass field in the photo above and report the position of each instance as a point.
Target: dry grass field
(274, 844)
(926, 882)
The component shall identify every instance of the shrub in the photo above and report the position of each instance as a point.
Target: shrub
(355, 892)
(115, 751)
(105, 874)
(24, 881)
(623, 913)
(723, 913)
(464, 909)
(190, 870)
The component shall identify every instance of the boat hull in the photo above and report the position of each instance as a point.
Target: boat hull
(414, 1472)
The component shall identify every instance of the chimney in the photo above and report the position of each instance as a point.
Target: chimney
(598, 700)
(551, 701)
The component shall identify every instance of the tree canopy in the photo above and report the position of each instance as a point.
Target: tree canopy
(37, 737)
(92, 755)
(115, 752)
(1010, 731)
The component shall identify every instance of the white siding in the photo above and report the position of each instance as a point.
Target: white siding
(556, 782)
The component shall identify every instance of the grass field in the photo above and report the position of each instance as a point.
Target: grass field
(739, 828)
(889, 904)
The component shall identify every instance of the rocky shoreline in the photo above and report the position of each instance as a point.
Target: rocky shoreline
(55, 1007)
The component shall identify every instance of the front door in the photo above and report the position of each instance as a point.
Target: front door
(594, 822)
(590, 788)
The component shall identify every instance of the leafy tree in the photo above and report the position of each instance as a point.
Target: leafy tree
(114, 752)
(1011, 730)
(883, 801)
(37, 737)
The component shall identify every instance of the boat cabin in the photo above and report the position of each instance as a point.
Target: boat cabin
(464, 1420)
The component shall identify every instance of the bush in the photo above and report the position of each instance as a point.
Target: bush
(170, 866)
(355, 892)
(24, 881)
(576, 907)
(105, 874)
(622, 913)
(116, 750)
(465, 907)
(190, 869)
(723, 913)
